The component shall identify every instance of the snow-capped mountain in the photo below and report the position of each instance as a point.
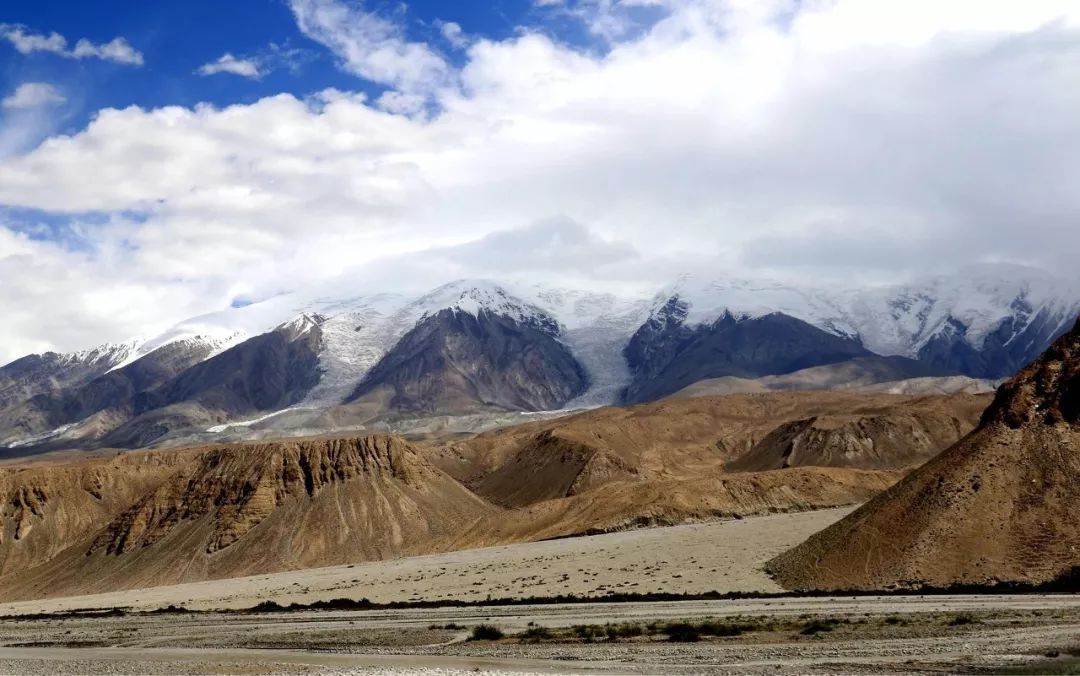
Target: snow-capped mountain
(996, 308)
(519, 346)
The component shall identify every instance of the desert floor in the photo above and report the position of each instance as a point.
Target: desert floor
(916, 634)
(723, 556)
(950, 634)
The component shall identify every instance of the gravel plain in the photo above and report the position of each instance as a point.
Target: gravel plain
(932, 634)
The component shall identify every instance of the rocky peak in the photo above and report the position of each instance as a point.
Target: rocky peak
(1046, 392)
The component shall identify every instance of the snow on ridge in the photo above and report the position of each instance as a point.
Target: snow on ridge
(360, 327)
(472, 297)
(708, 300)
(889, 320)
(108, 353)
(218, 339)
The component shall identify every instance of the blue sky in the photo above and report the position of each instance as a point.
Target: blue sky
(605, 144)
(177, 38)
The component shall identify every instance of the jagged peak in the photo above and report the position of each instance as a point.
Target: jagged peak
(301, 324)
(1046, 392)
(476, 296)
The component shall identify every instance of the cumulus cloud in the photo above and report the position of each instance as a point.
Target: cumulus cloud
(854, 138)
(117, 50)
(227, 63)
(33, 95)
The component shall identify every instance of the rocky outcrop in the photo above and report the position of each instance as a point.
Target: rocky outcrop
(46, 508)
(237, 488)
(997, 507)
(889, 441)
(227, 511)
(550, 466)
(666, 355)
(456, 361)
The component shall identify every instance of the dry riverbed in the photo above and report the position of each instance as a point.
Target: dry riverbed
(933, 634)
(122, 632)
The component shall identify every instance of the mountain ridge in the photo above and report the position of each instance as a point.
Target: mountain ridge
(725, 328)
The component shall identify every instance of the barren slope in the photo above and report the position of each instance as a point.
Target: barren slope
(1000, 506)
(696, 437)
(241, 510)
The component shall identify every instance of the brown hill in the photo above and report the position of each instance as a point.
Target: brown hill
(999, 506)
(159, 517)
(906, 435)
(241, 510)
(622, 505)
(694, 437)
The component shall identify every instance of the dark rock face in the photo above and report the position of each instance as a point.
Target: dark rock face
(1012, 345)
(1047, 392)
(112, 390)
(42, 373)
(454, 361)
(665, 355)
(176, 386)
(265, 373)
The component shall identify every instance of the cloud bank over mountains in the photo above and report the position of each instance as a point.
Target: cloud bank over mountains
(855, 140)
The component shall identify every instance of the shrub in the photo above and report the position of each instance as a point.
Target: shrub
(486, 632)
(682, 632)
(713, 628)
(818, 627)
(536, 633)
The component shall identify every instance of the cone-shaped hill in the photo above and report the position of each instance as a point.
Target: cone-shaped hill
(1000, 506)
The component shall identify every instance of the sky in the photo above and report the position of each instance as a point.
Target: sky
(164, 160)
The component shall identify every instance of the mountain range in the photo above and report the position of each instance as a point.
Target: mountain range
(334, 358)
(101, 521)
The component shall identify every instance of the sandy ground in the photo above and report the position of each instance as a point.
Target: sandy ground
(716, 556)
(931, 634)
(870, 635)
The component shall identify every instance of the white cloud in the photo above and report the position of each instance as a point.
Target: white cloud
(117, 50)
(738, 137)
(454, 34)
(27, 43)
(227, 63)
(370, 45)
(33, 95)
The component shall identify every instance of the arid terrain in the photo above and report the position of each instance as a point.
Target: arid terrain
(128, 632)
(149, 518)
(997, 507)
(722, 556)
(946, 634)
(618, 540)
